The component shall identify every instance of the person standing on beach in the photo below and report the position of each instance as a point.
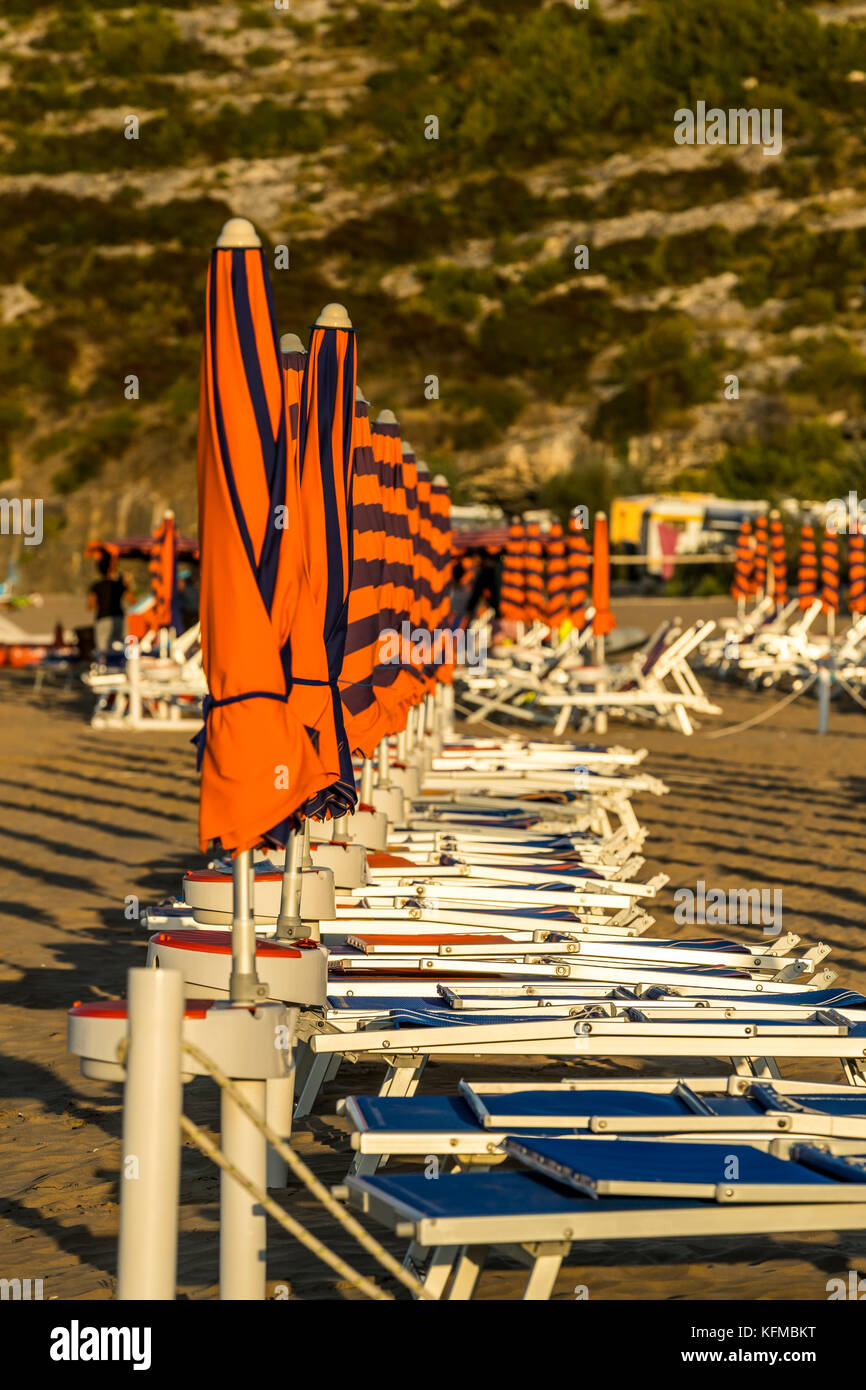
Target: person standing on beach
(105, 600)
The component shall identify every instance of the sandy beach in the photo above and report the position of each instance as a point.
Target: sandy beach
(92, 820)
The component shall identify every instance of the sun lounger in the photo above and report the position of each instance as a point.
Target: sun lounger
(640, 1190)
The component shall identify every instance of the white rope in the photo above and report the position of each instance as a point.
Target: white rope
(765, 714)
(308, 1177)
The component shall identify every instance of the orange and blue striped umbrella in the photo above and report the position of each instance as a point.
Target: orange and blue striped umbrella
(512, 608)
(397, 587)
(857, 572)
(362, 715)
(779, 560)
(325, 458)
(741, 586)
(533, 574)
(557, 579)
(759, 570)
(578, 572)
(163, 576)
(830, 571)
(807, 569)
(428, 576)
(442, 541)
(603, 620)
(252, 572)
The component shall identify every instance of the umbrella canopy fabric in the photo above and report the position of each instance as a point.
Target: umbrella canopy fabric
(857, 572)
(364, 718)
(759, 570)
(807, 569)
(163, 577)
(258, 762)
(314, 657)
(533, 571)
(512, 607)
(603, 620)
(441, 538)
(779, 560)
(741, 586)
(396, 592)
(830, 571)
(578, 572)
(557, 578)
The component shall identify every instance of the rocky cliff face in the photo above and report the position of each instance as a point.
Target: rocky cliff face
(437, 166)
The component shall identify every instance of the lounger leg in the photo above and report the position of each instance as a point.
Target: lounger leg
(313, 1083)
(539, 1285)
(364, 1164)
(439, 1269)
(403, 1081)
(470, 1263)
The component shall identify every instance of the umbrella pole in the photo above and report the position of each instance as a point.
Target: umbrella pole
(306, 855)
(289, 921)
(366, 792)
(384, 779)
(601, 714)
(244, 986)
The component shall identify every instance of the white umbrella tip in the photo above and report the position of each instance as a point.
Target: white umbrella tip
(386, 417)
(441, 481)
(238, 234)
(423, 470)
(334, 316)
(359, 395)
(290, 342)
(406, 447)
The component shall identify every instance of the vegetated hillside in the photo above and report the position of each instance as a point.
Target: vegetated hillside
(456, 255)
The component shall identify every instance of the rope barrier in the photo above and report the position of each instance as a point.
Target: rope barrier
(289, 1223)
(765, 714)
(309, 1179)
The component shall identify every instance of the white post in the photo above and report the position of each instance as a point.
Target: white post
(242, 1222)
(601, 687)
(150, 1171)
(823, 699)
(133, 673)
(279, 1097)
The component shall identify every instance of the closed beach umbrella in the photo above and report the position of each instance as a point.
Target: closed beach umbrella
(578, 572)
(362, 715)
(741, 586)
(857, 572)
(603, 620)
(536, 605)
(442, 540)
(830, 571)
(325, 440)
(807, 570)
(759, 572)
(163, 576)
(779, 560)
(396, 591)
(246, 617)
(293, 355)
(557, 578)
(512, 608)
